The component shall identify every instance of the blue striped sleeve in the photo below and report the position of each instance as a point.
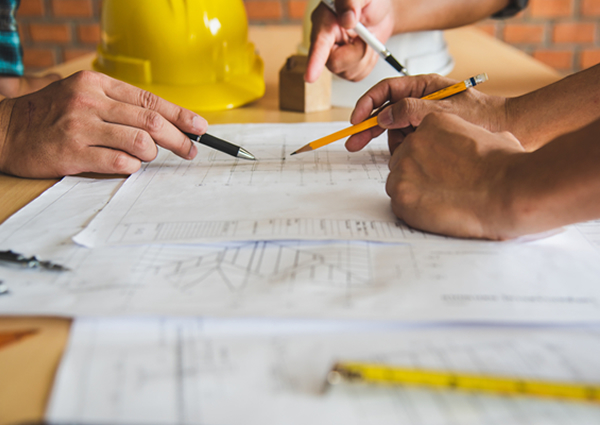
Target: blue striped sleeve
(11, 51)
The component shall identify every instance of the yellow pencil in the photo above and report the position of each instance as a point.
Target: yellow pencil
(372, 122)
(382, 374)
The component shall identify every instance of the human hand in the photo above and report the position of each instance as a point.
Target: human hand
(452, 177)
(90, 122)
(334, 43)
(407, 110)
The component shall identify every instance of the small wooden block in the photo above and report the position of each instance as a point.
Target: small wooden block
(297, 95)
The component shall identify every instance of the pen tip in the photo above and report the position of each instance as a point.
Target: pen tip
(243, 153)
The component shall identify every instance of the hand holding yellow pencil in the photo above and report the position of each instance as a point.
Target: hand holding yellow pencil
(372, 122)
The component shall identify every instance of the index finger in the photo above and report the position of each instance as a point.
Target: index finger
(184, 119)
(395, 89)
(323, 37)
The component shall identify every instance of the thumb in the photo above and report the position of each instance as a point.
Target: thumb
(404, 113)
(348, 12)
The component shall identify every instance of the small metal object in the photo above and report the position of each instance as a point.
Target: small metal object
(3, 288)
(29, 262)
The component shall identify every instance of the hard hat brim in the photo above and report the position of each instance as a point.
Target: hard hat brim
(238, 91)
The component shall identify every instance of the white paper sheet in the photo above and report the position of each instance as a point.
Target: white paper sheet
(45, 226)
(328, 194)
(549, 280)
(166, 371)
(591, 231)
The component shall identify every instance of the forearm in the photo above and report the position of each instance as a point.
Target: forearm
(558, 184)
(565, 106)
(421, 15)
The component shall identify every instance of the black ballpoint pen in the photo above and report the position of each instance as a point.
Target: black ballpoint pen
(221, 145)
(372, 41)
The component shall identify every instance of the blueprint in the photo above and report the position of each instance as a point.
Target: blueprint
(591, 231)
(328, 194)
(206, 371)
(547, 280)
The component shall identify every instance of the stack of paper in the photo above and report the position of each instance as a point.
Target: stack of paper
(309, 236)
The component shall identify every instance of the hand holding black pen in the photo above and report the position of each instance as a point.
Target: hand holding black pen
(221, 145)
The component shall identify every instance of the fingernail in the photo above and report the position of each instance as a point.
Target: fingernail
(385, 117)
(193, 151)
(348, 19)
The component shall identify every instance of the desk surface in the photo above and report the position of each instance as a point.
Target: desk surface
(27, 367)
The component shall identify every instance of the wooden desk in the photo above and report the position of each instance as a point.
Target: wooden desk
(27, 367)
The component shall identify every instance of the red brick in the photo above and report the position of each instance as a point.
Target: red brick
(523, 33)
(31, 8)
(89, 33)
(23, 33)
(589, 57)
(573, 32)
(38, 58)
(264, 10)
(550, 8)
(558, 59)
(70, 54)
(296, 9)
(70, 8)
(590, 7)
(50, 32)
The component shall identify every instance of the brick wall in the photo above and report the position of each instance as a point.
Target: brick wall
(562, 33)
(53, 31)
(565, 34)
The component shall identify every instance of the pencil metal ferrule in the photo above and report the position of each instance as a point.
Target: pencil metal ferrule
(339, 374)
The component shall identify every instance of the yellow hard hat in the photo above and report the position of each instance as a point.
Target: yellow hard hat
(193, 53)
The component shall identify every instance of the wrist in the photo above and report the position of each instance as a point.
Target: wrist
(510, 204)
(513, 113)
(497, 114)
(531, 195)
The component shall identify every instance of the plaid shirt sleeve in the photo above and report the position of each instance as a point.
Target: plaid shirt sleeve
(11, 52)
(514, 7)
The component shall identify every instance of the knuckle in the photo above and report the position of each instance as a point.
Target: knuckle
(70, 125)
(141, 141)
(181, 115)
(85, 77)
(148, 100)
(153, 121)
(121, 163)
(438, 116)
(405, 194)
(404, 107)
(335, 66)
(432, 118)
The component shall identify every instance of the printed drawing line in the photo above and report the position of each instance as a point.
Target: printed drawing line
(267, 229)
(237, 266)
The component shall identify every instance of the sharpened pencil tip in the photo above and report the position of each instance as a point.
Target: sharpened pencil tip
(306, 148)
